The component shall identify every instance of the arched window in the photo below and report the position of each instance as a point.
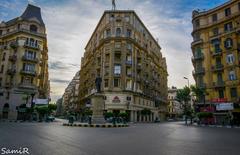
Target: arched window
(118, 32)
(228, 43)
(33, 28)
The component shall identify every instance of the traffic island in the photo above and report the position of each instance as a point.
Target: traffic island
(96, 125)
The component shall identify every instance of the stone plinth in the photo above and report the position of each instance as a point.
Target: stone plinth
(97, 101)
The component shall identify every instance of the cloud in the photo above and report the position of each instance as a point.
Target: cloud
(70, 25)
(59, 81)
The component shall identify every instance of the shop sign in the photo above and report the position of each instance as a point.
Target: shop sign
(219, 100)
(224, 106)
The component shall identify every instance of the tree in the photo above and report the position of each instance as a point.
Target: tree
(198, 92)
(42, 110)
(183, 97)
(52, 107)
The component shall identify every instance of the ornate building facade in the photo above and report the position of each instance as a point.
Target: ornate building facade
(216, 52)
(129, 61)
(23, 62)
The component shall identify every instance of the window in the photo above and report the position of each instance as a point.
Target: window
(239, 6)
(228, 26)
(117, 69)
(227, 12)
(117, 56)
(107, 58)
(233, 92)
(196, 36)
(0, 82)
(111, 17)
(2, 68)
(4, 55)
(127, 18)
(28, 67)
(116, 82)
(117, 44)
(230, 58)
(1, 32)
(27, 80)
(128, 71)
(221, 93)
(232, 75)
(118, 32)
(33, 28)
(108, 33)
(129, 84)
(129, 33)
(19, 26)
(228, 43)
(129, 46)
(106, 83)
(197, 23)
(30, 54)
(215, 31)
(214, 17)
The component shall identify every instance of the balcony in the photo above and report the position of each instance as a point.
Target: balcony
(117, 74)
(28, 72)
(128, 62)
(198, 57)
(27, 58)
(139, 66)
(199, 70)
(31, 45)
(129, 74)
(27, 86)
(14, 45)
(12, 58)
(219, 84)
(11, 71)
(201, 85)
(217, 67)
(196, 42)
(217, 52)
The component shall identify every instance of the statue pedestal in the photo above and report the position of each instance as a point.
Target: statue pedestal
(97, 101)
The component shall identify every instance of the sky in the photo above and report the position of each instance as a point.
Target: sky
(70, 23)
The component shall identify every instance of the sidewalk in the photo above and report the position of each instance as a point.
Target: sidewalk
(216, 126)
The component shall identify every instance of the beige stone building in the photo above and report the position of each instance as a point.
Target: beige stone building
(23, 62)
(70, 99)
(129, 60)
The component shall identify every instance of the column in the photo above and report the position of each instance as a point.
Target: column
(132, 116)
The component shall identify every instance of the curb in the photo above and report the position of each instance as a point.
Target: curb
(96, 125)
(217, 126)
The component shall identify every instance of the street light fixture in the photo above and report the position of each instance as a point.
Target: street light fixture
(187, 80)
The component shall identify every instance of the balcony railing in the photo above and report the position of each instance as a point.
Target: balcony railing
(12, 58)
(217, 52)
(201, 85)
(199, 70)
(218, 67)
(198, 57)
(32, 45)
(14, 45)
(28, 72)
(128, 62)
(11, 71)
(199, 41)
(27, 86)
(27, 58)
(218, 84)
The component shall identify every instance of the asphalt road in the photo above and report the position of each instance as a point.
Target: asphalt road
(138, 139)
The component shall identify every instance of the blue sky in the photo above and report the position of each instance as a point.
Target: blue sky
(70, 24)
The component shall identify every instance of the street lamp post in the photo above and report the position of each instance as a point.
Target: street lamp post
(187, 80)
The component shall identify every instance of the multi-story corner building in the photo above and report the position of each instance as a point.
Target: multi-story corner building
(174, 107)
(129, 61)
(216, 52)
(23, 62)
(70, 100)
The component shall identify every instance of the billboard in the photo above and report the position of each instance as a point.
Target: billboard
(224, 106)
(41, 101)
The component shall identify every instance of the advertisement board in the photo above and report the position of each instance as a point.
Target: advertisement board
(224, 106)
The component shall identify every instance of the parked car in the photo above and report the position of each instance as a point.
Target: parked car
(50, 118)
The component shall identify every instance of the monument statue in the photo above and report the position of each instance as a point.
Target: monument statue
(98, 83)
